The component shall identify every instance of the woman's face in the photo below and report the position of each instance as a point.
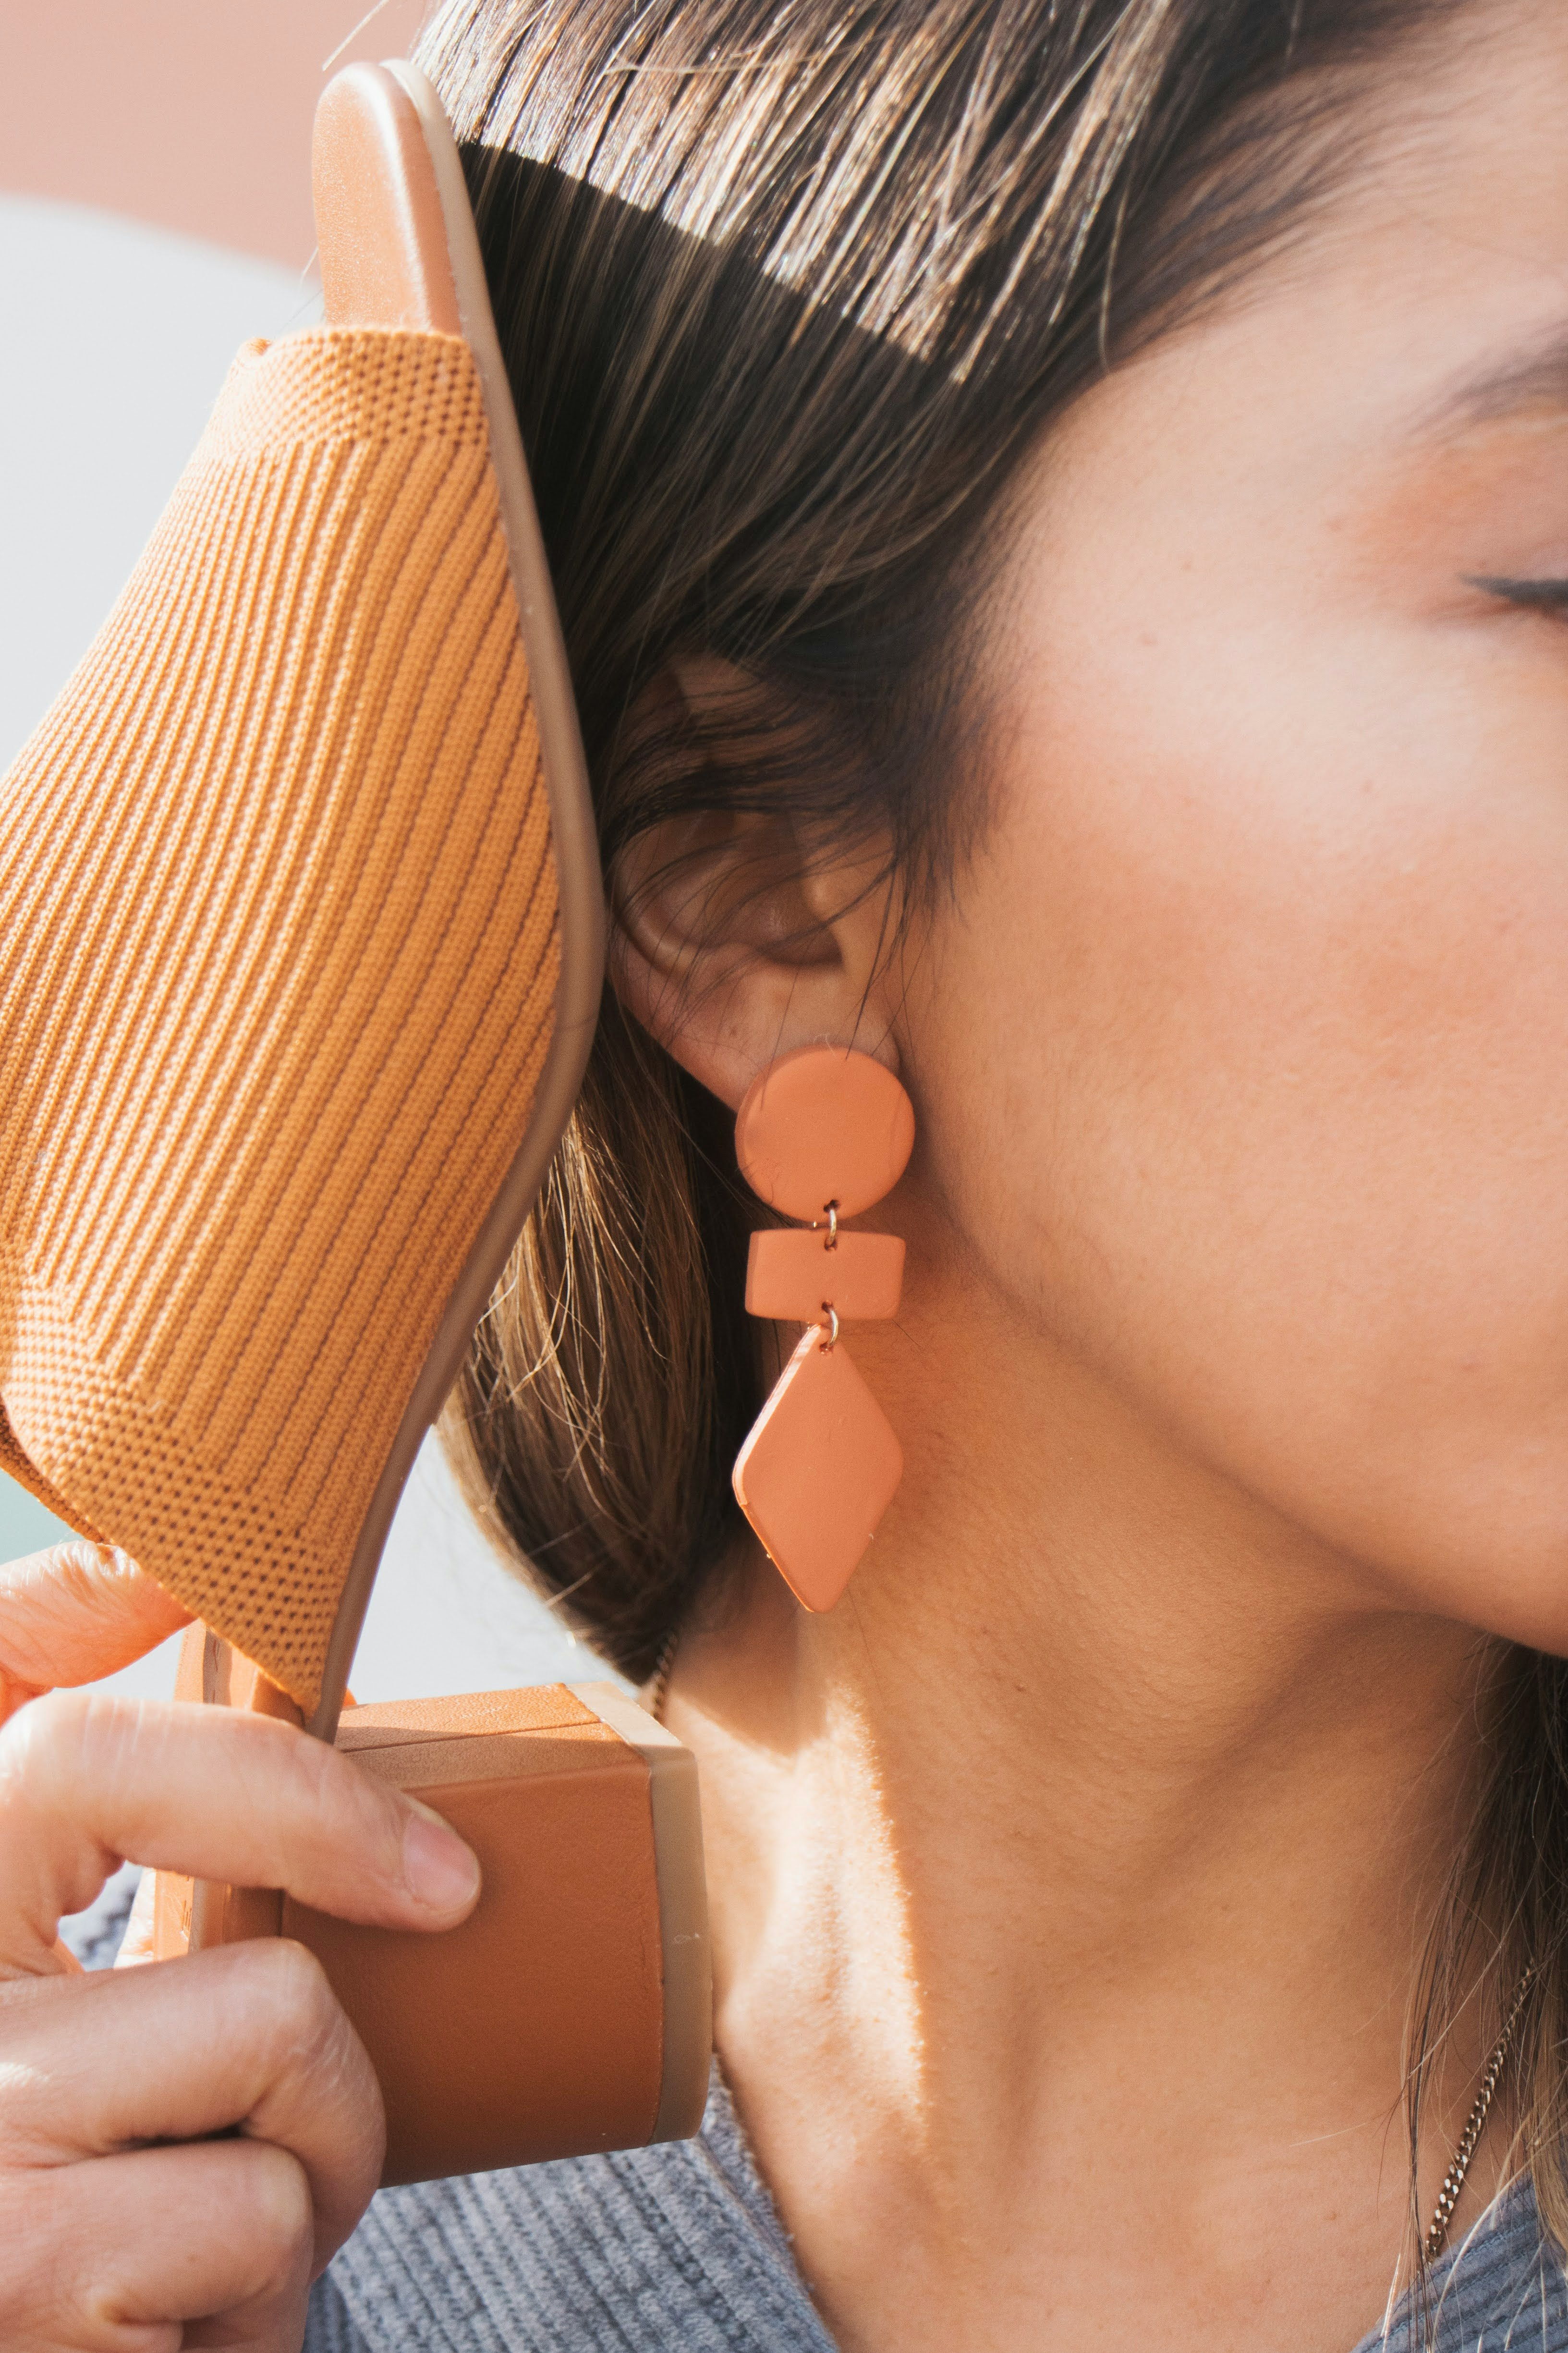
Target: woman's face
(1271, 926)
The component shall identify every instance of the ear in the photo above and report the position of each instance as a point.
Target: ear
(733, 942)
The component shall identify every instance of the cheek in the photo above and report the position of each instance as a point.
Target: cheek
(1276, 1073)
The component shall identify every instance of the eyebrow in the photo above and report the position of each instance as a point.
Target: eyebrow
(1536, 377)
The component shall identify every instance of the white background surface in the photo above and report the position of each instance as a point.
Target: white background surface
(116, 341)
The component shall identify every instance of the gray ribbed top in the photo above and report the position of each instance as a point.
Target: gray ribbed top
(668, 2250)
(679, 2250)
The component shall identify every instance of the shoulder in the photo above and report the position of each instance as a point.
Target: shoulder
(669, 2250)
(1502, 2289)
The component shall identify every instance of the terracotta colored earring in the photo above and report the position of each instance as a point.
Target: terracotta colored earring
(822, 1134)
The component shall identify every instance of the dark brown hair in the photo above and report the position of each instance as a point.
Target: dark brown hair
(789, 289)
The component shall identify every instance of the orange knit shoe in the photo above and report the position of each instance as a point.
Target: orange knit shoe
(302, 936)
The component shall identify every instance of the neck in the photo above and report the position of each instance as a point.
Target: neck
(1078, 1865)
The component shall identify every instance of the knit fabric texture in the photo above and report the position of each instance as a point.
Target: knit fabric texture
(679, 2250)
(279, 908)
(669, 2250)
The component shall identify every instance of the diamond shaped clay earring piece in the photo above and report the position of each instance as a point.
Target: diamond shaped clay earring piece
(822, 1134)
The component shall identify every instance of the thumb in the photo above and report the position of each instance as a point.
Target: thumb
(74, 1613)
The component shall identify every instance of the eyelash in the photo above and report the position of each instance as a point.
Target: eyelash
(1535, 595)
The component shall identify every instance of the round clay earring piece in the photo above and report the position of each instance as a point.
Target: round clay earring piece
(823, 1124)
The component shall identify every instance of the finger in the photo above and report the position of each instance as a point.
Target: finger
(247, 2036)
(113, 2257)
(74, 1613)
(87, 1780)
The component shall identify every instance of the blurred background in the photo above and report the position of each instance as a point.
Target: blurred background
(154, 215)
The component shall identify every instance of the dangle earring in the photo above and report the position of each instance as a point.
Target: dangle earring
(822, 1134)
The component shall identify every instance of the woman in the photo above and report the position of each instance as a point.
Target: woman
(1060, 518)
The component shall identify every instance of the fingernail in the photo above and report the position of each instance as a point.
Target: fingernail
(440, 1870)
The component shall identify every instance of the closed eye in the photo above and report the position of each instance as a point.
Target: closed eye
(1539, 596)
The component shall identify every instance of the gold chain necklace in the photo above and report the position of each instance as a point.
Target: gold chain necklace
(1469, 2139)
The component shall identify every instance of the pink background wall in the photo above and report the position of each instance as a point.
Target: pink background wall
(192, 114)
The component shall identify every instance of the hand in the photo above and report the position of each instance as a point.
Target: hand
(124, 2225)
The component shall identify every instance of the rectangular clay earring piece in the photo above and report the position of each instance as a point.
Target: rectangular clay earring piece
(793, 1277)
